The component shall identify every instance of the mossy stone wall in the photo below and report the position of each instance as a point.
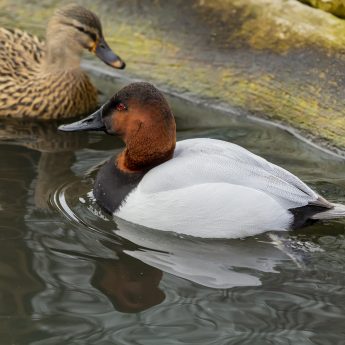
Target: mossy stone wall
(280, 60)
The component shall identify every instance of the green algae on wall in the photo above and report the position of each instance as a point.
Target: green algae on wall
(337, 7)
(277, 25)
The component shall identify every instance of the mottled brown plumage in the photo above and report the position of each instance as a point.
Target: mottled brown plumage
(44, 80)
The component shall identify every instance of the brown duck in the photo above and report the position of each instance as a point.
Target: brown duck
(44, 80)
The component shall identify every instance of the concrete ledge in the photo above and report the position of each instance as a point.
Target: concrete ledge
(278, 60)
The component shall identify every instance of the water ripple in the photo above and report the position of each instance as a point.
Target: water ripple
(70, 274)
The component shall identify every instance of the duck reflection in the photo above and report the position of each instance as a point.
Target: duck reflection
(130, 285)
(56, 153)
(35, 159)
(219, 264)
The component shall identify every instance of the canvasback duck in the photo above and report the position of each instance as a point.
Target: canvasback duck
(199, 187)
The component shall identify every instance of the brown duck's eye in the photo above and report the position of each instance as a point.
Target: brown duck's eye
(80, 28)
(121, 107)
(90, 34)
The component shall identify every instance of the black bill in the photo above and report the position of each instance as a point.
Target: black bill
(104, 52)
(93, 122)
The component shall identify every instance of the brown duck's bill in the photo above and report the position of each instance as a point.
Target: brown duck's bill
(104, 53)
(93, 122)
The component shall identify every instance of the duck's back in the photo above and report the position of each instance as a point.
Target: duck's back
(27, 91)
(20, 54)
(203, 160)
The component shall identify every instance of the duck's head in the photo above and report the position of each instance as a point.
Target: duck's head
(74, 28)
(141, 116)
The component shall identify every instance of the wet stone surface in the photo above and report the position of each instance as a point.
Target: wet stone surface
(280, 60)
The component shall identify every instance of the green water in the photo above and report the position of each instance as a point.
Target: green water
(70, 275)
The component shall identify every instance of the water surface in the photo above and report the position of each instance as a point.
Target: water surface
(70, 275)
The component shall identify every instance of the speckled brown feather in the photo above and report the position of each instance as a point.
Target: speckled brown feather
(27, 90)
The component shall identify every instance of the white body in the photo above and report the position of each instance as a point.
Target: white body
(212, 188)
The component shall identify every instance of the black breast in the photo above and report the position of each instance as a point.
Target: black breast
(112, 185)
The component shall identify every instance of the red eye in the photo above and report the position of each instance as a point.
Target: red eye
(121, 107)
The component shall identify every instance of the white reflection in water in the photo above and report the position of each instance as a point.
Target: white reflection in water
(212, 263)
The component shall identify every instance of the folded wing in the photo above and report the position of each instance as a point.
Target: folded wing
(198, 161)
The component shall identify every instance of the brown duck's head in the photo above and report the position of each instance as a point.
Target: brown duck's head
(74, 28)
(140, 114)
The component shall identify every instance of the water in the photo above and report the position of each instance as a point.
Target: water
(70, 275)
